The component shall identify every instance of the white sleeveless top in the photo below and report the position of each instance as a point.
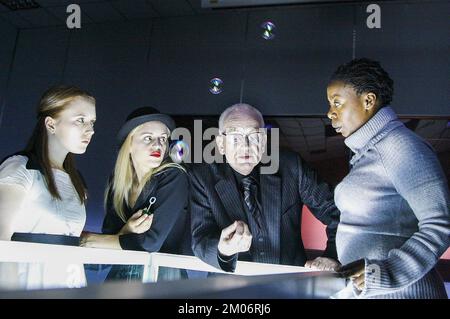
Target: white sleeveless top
(40, 213)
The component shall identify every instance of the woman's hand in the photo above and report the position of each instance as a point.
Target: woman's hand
(359, 280)
(356, 272)
(138, 223)
(91, 240)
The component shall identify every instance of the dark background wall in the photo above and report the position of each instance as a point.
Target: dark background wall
(8, 36)
(168, 62)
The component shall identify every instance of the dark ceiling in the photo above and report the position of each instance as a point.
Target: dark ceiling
(53, 12)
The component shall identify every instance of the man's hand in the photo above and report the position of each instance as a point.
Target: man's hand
(234, 239)
(356, 272)
(323, 263)
(138, 223)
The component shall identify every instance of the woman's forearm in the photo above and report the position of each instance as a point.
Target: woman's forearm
(90, 240)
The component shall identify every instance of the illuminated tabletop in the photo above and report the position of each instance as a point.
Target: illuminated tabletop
(250, 280)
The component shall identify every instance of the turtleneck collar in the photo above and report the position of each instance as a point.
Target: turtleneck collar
(370, 129)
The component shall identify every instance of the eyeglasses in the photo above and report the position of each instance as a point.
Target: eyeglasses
(240, 138)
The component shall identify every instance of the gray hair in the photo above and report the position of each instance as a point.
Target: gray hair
(242, 108)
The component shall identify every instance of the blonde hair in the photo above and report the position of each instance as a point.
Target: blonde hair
(125, 180)
(53, 102)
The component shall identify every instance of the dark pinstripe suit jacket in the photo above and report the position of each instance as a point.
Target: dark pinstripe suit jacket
(216, 203)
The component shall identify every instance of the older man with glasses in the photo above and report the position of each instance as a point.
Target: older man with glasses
(238, 212)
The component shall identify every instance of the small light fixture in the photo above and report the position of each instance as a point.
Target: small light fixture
(15, 5)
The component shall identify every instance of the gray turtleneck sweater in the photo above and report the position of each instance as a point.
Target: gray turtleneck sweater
(395, 212)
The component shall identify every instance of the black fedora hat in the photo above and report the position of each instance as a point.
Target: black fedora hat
(140, 116)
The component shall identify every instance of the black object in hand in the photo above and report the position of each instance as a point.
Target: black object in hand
(349, 270)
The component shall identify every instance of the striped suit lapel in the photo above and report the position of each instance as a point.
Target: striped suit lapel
(271, 210)
(228, 193)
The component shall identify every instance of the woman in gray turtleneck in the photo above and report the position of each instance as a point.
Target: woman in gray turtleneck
(394, 203)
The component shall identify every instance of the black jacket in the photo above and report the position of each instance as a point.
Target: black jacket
(170, 231)
(216, 203)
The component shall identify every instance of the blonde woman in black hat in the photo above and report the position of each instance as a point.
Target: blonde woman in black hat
(144, 178)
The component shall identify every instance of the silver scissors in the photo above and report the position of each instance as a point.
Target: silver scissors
(151, 201)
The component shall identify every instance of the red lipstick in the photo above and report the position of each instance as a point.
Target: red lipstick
(155, 154)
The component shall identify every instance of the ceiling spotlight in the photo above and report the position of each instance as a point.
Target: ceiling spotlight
(15, 5)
